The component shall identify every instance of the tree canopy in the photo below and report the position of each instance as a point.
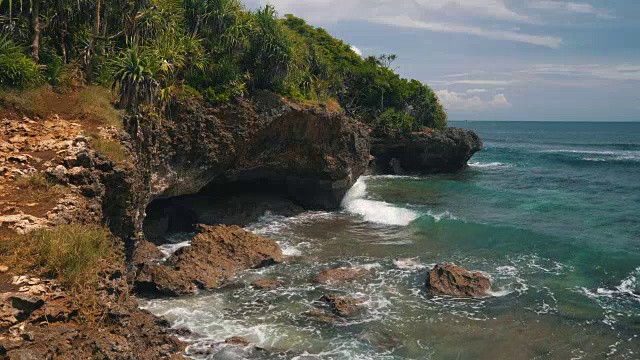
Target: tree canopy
(149, 50)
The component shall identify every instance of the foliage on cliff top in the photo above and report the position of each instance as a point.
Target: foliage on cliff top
(146, 49)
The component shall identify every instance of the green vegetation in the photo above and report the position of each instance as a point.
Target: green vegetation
(152, 52)
(70, 253)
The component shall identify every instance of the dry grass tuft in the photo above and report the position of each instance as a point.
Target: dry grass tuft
(111, 149)
(73, 254)
(94, 104)
(40, 186)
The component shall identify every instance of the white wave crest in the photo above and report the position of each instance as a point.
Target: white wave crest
(375, 211)
(601, 155)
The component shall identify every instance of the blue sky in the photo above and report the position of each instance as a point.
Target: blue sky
(500, 59)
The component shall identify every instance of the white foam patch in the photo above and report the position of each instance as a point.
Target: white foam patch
(408, 264)
(491, 165)
(175, 242)
(375, 211)
(445, 215)
(601, 155)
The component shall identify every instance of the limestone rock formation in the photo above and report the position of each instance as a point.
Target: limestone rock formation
(308, 155)
(442, 150)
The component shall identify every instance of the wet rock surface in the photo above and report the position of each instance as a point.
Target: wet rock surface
(453, 280)
(442, 150)
(344, 307)
(216, 254)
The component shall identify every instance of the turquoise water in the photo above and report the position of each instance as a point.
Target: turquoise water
(548, 210)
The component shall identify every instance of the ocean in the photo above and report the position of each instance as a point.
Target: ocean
(549, 210)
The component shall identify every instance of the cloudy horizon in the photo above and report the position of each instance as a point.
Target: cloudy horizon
(541, 60)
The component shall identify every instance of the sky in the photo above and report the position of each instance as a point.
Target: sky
(538, 60)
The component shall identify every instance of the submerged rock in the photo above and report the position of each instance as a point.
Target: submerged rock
(443, 150)
(340, 275)
(320, 316)
(344, 307)
(215, 255)
(267, 284)
(449, 279)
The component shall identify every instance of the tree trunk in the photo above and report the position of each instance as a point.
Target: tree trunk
(35, 27)
(63, 29)
(92, 44)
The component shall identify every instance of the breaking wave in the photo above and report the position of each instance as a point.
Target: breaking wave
(380, 212)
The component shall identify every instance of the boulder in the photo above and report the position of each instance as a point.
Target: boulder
(344, 307)
(215, 255)
(453, 280)
(339, 275)
(442, 150)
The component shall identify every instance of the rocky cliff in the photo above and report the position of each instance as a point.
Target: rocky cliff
(443, 150)
(307, 154)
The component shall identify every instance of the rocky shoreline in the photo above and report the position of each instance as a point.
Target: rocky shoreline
(307, 156)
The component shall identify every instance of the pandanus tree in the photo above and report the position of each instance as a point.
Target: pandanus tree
(133, 80)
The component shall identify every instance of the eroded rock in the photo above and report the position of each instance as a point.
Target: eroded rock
(453, 280)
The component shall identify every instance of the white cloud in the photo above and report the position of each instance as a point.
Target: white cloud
(472, 82)
(580, 8)
(476, 91)
(407, 22)
(356, 50)
(334, 10)
(619, 72)
(425, 14)
(460, 102)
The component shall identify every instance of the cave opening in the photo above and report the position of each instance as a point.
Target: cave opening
(240, 200)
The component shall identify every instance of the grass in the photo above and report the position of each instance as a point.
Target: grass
(39, 186)
(94, 103)
(111, 149)
(74, 254)
(35, 182)
(30, 102)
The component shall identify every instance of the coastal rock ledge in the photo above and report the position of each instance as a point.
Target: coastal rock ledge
(215, 255)
(443, 150)
(453, 280)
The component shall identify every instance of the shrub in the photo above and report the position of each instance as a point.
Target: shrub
(70, 253)
(54, 67)
(16, 68)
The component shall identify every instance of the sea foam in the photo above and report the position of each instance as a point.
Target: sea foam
(375, 211)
